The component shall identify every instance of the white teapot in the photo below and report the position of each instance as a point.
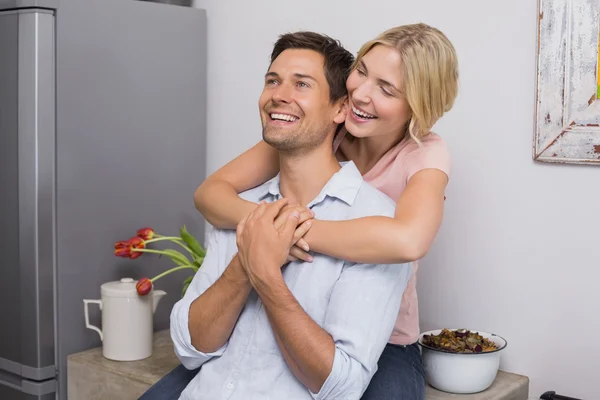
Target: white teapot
(127, 320)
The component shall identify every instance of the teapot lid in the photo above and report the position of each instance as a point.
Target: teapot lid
(123, 288)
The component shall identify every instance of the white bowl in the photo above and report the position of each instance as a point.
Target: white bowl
(461, 373)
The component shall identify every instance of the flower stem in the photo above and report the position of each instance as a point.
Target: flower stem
(151, 251)
(158, 239)
(162, 236)
(172, 270)
(185, 247)
(174, 239)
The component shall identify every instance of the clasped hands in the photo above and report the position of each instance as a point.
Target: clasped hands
(271, 236)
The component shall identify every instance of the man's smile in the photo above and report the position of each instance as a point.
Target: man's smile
(283, 117)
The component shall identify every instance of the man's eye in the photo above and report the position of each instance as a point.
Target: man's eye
(303, 84)
(272, 81)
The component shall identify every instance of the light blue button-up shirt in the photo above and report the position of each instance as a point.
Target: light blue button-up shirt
(357, 304)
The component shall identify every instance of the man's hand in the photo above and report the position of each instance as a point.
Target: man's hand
(263, 249)
(299, 250)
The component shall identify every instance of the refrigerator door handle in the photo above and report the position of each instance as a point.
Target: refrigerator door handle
(87, 315)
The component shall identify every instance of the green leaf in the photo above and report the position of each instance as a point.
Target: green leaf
(186, 284)
(198, 261)
(177, 257)
(192, 242)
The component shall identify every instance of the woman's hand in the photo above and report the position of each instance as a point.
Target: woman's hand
(299, 250)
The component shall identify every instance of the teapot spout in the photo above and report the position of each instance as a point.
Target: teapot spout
(156, 296)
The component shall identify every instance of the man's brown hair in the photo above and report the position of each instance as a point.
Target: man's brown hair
(338, 60)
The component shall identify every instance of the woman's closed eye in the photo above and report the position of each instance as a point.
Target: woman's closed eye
(386, 91)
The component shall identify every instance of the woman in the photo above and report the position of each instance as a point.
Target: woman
(401, 84)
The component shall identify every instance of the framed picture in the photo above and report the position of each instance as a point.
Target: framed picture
(568, 85)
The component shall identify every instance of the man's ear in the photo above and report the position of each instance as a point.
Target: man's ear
(342, 110)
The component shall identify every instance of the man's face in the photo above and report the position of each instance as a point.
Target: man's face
(295, 109)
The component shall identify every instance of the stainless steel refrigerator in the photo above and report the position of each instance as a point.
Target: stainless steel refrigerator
(102, 132)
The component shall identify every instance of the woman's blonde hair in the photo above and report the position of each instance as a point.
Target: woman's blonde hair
(430, 72)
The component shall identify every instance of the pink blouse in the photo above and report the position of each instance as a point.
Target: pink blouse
(391, 175)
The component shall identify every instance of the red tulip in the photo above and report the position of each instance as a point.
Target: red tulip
(125, 249)
(136, 242)
(135, 254)
(146, 233)
(121, 243)
(144, 286)
(122, 249)
(122, 252)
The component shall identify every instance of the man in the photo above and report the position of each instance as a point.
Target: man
(305, 330)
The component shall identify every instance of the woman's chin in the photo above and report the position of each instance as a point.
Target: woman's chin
(359, 131)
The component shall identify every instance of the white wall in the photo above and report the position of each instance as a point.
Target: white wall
(516, 252)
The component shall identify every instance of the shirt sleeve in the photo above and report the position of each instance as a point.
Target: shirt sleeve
(363, 308)
(212, 268)
(433, 154)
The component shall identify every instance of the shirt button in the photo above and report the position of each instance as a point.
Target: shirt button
(230, 386)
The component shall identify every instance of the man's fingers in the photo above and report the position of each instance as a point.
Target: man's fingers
(274, 208)
(240, 226)
(290, 226)
(283, 215)
(238, 231)
(305, 215)
(253, 212)
(258, 211)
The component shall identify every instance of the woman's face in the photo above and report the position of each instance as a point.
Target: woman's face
(378, 105)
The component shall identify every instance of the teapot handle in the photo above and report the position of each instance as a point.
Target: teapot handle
(87, 316)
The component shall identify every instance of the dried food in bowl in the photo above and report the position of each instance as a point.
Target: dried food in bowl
(461, 372)
(459, 341)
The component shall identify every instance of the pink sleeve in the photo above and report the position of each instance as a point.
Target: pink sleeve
(337, 139)
(433, 154)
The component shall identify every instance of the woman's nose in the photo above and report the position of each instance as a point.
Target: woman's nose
(362, 94)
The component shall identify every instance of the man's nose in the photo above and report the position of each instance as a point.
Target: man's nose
(283, 94)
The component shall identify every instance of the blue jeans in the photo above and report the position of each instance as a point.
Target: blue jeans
(400, 376)
(170, 386)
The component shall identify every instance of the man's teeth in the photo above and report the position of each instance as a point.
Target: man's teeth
(362, 114)
(284, 117)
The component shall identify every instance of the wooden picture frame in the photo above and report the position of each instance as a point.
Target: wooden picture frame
(567, 106)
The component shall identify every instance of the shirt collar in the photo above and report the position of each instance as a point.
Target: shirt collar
(343, 185)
